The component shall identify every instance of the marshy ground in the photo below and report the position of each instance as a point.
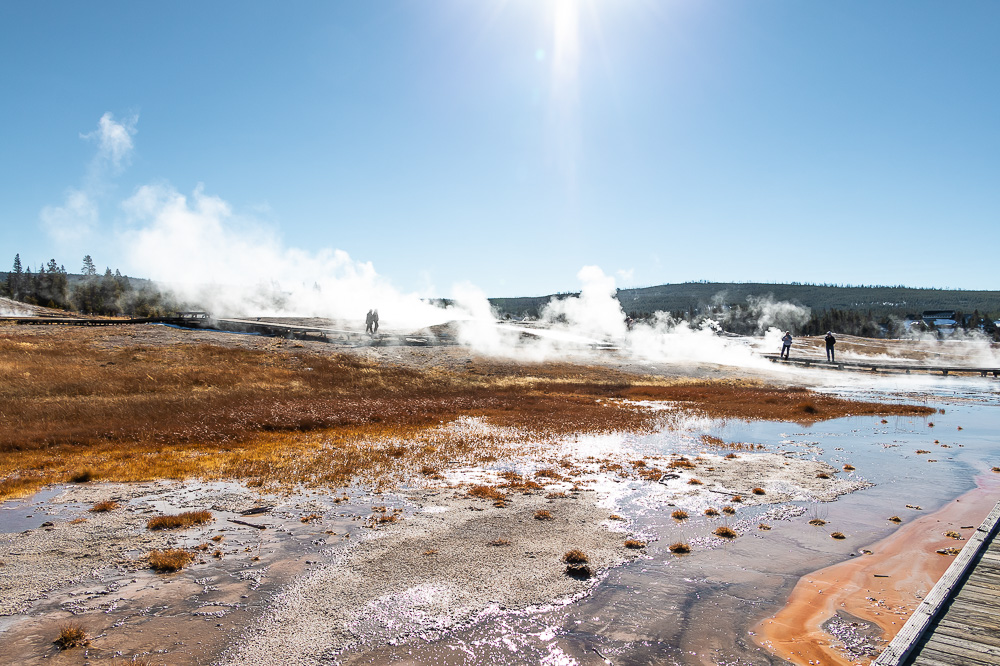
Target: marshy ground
(399, 487)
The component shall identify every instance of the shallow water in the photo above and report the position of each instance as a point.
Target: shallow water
(700, 608)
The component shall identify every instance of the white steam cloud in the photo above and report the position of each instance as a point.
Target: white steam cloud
(78, 216)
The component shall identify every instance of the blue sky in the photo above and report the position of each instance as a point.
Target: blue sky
(510, 143)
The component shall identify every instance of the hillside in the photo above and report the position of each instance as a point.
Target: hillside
(882, 302)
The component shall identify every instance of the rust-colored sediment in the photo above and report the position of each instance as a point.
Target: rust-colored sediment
(907, 565)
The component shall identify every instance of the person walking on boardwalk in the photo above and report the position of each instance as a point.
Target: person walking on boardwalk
(830, 342)
(368, 322)
(786, 345)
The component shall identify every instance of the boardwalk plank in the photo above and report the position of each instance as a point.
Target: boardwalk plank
(961, 630)
(965, 648)
(948, 655)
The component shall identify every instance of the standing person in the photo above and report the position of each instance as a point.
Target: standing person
(368, 323)
(830, 342)
(375, 322)
(786, 345)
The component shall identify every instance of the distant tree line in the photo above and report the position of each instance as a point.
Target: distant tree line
(110, 294)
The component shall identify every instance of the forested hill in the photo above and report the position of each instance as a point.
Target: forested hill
(688, 297)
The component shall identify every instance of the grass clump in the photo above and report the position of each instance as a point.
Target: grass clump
(575, 556)
(679, 515)
(817, 522)
(737, 498)
(763, 527)
(838, 535)
(949, 551)
(499, 543)
(725, 532)
(488, 493)
(952, 534)
(758, 491)
(822, 475)
(83, 476)
(70, 636)
(895, 519)
(849, 468)
(106, 505)
(185, 519)
(679, 548)
(728, 510)
(711, 512)
(694, 482)
(615, 516)
(169, 561)
(634, 544)
(542, 514)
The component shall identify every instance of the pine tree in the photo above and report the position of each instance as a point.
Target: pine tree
(88, 266)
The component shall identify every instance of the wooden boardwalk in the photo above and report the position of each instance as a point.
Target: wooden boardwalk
(959, 621)
(881, 366)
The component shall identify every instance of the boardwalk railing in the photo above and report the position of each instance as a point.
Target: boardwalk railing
(876, 366)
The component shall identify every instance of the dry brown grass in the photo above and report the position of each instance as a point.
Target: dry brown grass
(70, 636)
(575, 556)
(728, 510)
(764, 527)
(822, 475)
(724, 532)
(848, 468)
(79, 404)
(758, 491)
(952, 534)
(817, 522)
(634, 544)
(542, 514)
(180, 520)
(711, 512)
(499, 542)
(101, 507)
(679, 515)
(679, 548)
(895, 519)
(694, 482)
(838, 535)
(168, 561)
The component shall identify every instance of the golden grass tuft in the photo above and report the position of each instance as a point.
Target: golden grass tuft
(763, 527)
(106, 505)
(949, 551)
(952, 534)
(822, 475)
(83, 476)
(817, 522)
(574, 556)
(728, 510)
(679, 515)
(542, 514)
(499, 542)
(487, 493)
(634, 544)
(848, 468)
(711, 512)
(758, 491)
(731, 456)
(169, 561)
(185, 519)
(694, 482)
(995, 469)
(679, 548)
(895, 519)
(615, 516)
(310, 518)
(737, 499)
(725, 532)
(922, 451)
(838, 535)
(71, 636)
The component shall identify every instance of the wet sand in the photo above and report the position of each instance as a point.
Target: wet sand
(880, 589)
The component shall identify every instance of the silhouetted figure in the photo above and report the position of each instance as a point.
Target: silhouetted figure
(830, 342)
(786, 345)
(369, 320)
(629, 322)
(375, 322)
